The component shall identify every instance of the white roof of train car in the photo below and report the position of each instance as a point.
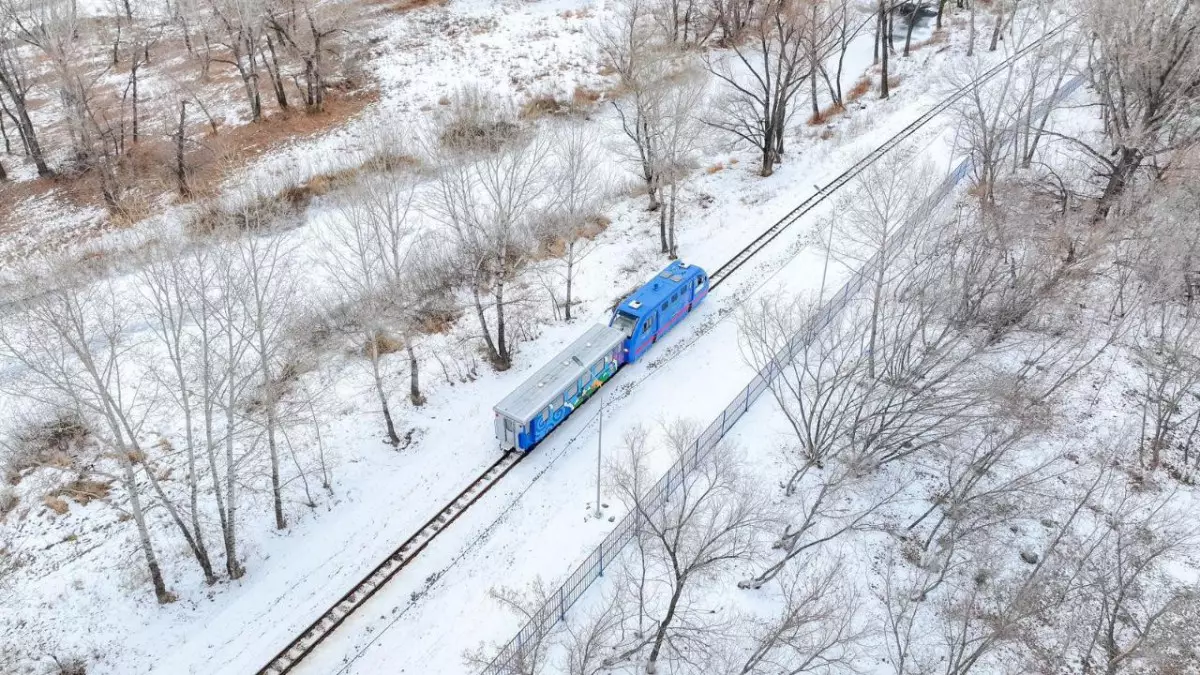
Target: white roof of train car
(529, 399)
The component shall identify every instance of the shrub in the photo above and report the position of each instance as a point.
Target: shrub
(55, 504)
(84, 490)
(540, 106)
(437, 318)
(70, 666)
(55, 440)
(584, 97)
(860, 88)
(262, 212)
(476, 121)
(386, 344)
(8, 500)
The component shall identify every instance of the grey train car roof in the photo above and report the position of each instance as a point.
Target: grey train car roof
(535, 393)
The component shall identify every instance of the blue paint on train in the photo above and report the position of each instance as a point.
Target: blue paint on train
(658, 306)
(642, 318)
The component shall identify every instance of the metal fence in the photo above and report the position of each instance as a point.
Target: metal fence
(513, 654)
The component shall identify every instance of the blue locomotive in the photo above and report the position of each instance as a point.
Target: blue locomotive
(558, 388)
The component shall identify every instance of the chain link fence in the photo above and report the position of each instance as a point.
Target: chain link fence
(513, 655)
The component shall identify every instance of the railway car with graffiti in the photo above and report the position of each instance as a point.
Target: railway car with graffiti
(561, 386)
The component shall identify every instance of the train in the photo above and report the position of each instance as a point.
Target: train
(559, 388)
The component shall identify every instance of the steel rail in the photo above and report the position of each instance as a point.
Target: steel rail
(824, 192)
(312, 636)
(316, 632)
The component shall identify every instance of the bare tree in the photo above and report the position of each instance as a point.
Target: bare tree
(818, 390)
(684, 23)
(846, 29)
(1041, 77)
(579, 185)
(886, 196)
(368, 258)
(525, 604)
(590, 639)
(17, 82)
(490, 203)
(710, 521)
(757, 109)
(985, 118)
(1168, 347)
(308, 29)
(628, 45)
(816, 630)
(1144, 65)
(678, 134)
(271, 295)
(883, 44)
(1129, 612)
(239, 25)
(987, 605)
(731, 16)
(168, 305)
(73, 340)
(821, 26)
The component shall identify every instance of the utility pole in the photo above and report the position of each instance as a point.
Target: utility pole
(825, 268)
(599, 447)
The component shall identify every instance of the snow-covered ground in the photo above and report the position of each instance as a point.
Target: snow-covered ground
(85, 592)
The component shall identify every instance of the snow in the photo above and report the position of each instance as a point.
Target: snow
(85, 590)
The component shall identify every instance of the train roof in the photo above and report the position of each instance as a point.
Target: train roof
(535, 393)
(657, 290)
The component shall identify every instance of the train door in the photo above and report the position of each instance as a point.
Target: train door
(509, 431)
(649, 327)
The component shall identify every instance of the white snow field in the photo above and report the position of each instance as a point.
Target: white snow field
(85, 592)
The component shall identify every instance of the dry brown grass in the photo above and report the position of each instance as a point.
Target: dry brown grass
(147, 168)
(434, 320)
(84, 490)
(55, 504)
(826, 113)
(584, 97)
(541, 106)
(56, 442)
(583, 100)
(410, 5)
(386, 344)
(860, 88)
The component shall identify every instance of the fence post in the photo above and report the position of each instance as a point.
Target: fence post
(562, 603)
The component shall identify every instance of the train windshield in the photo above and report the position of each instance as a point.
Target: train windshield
(625, 323)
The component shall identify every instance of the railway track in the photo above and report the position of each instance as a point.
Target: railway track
(824, 192)
(312, 636)
(318, 630)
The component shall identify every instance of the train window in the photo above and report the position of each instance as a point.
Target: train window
(664, 307)
(625, 322)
